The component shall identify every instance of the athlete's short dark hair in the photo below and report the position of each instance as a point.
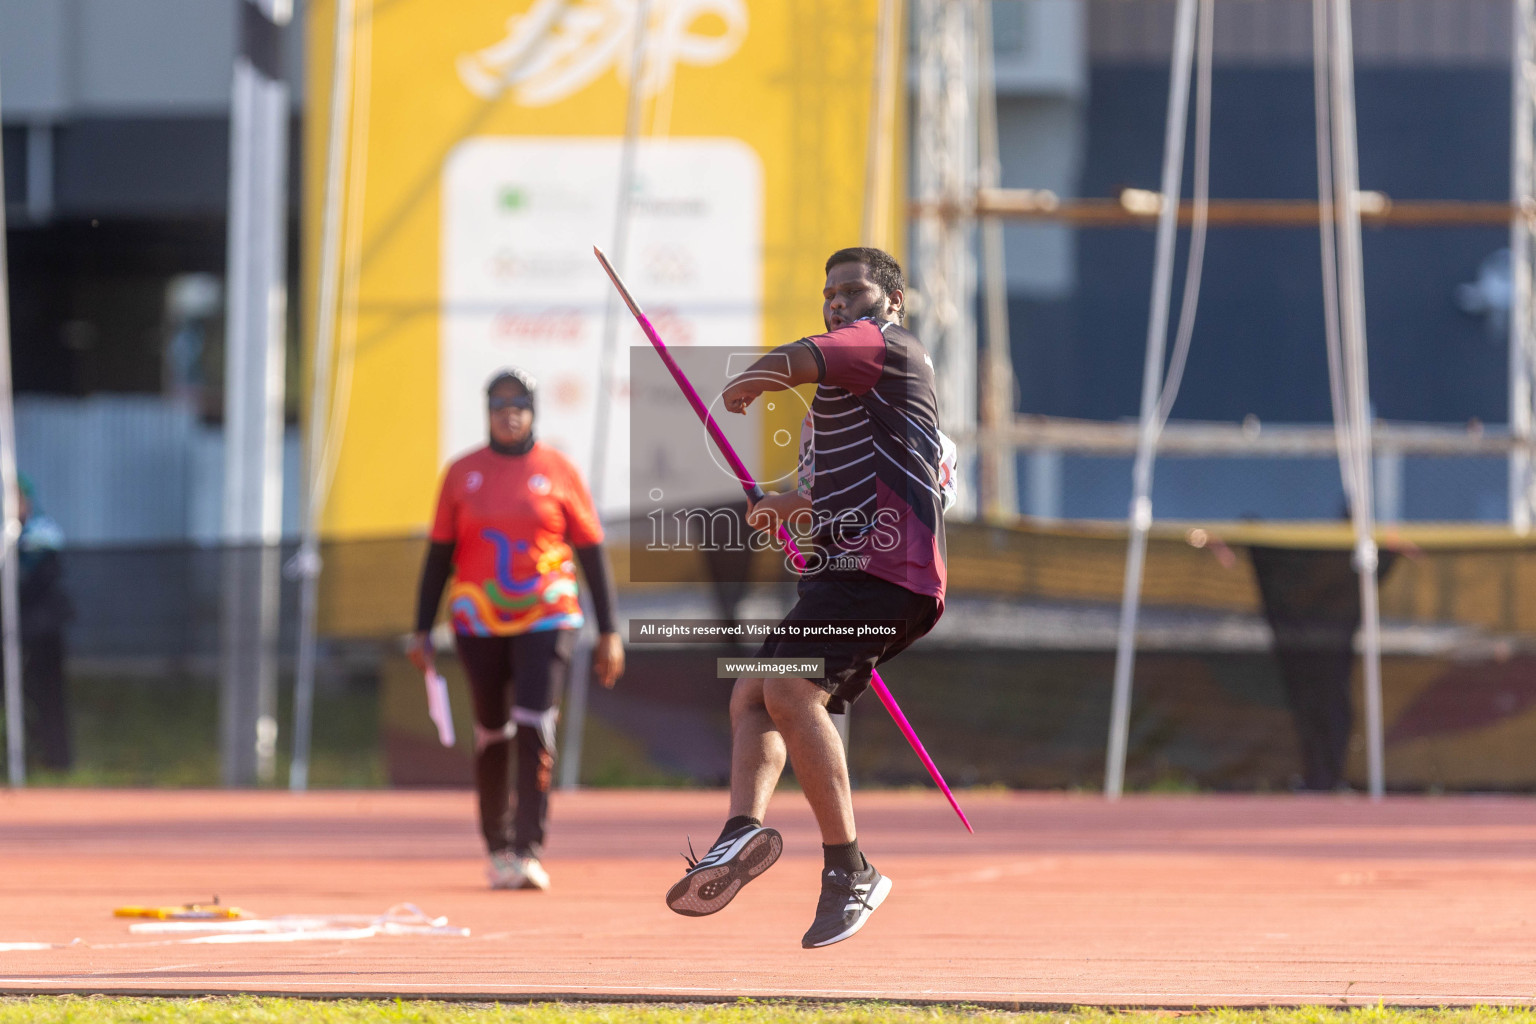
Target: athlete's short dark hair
(882, 266)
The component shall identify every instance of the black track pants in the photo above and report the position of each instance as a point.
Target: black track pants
(515, 683)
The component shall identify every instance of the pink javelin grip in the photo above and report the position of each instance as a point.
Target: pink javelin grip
(748, 484)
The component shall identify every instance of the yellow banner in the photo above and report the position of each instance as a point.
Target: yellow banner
(483, 148)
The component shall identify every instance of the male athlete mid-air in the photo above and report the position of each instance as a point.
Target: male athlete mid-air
(876, 552)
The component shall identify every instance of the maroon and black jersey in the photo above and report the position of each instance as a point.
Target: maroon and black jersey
(876, 492)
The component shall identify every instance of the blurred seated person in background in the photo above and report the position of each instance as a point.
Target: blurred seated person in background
(45, 611)
(1311, 600)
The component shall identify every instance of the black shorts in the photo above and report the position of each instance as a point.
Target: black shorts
(849, 664)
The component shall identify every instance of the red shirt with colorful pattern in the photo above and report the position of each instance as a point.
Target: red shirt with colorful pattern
(513, 521)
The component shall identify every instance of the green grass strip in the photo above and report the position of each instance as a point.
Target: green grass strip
(260, 1010)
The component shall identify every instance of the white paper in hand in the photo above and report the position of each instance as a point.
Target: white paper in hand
(437, 707)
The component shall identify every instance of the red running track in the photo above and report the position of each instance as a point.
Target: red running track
(1057, 899)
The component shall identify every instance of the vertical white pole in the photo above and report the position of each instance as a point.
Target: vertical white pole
(254, 395)
(10, 506)
(1521, 172)
(1043, 472)
(576, 712)
(307, 562)
(1328, 240)
(957, 355)
(1389, 485)
(623, 215)
(1357, 380)
(580, 676)
(998, 476)
(1140, 519)
(944, 272)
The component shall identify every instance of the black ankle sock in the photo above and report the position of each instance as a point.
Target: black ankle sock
(736, 824)
(845, 856)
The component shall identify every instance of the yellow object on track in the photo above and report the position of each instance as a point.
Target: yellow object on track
(185, 912)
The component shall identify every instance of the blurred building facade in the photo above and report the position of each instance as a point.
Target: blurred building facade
(117, 154)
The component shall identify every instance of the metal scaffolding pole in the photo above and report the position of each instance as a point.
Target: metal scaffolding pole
(1356, 383)
(306, 564)
(10, 533)
(1522, 195)
(1140, 520)
(998, 473)
(944, 272)
(256, 354)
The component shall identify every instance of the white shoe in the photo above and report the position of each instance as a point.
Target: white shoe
(502, 870)
(508, 870)
(534, 875)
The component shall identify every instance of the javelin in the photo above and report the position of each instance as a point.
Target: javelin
(750, 485)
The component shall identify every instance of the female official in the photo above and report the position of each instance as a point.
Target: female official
(510, 518)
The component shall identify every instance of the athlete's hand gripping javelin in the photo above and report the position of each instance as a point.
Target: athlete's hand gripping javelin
(775, 510)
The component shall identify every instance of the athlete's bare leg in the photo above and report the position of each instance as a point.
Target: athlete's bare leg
(757, 751)
(741, 854)
(798, 707)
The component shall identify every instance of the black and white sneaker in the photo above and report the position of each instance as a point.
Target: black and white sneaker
(846, 903)
(714, 879)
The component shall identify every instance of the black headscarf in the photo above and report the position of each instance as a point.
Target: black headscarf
(528, 384)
